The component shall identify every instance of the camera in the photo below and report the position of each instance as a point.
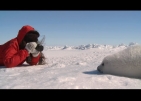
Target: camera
(39, 47)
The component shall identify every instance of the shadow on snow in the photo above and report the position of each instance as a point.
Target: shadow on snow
(96, 72)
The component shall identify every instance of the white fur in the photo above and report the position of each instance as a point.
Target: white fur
(125, 63)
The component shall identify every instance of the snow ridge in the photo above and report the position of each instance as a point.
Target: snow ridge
(88, 46)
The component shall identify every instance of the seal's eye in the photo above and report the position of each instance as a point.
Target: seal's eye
(102, 64)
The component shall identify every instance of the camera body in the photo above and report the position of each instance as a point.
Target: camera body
(39, 47)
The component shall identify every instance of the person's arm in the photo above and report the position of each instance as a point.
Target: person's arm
(13, 56)
(31, 60)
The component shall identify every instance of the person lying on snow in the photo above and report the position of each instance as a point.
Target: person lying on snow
(21, 48)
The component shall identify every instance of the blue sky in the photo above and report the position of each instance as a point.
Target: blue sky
(75, 27)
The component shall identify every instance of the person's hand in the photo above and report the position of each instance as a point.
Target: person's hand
(30, 47)
(35, 53)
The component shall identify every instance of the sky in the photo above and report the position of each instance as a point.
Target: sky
(76, 27)
(68, 68)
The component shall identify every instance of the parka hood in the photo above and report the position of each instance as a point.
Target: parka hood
(23, 31)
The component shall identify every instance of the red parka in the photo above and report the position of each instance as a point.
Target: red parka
(11, 55)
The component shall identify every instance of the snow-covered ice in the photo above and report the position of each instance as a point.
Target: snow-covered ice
(69, 67)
